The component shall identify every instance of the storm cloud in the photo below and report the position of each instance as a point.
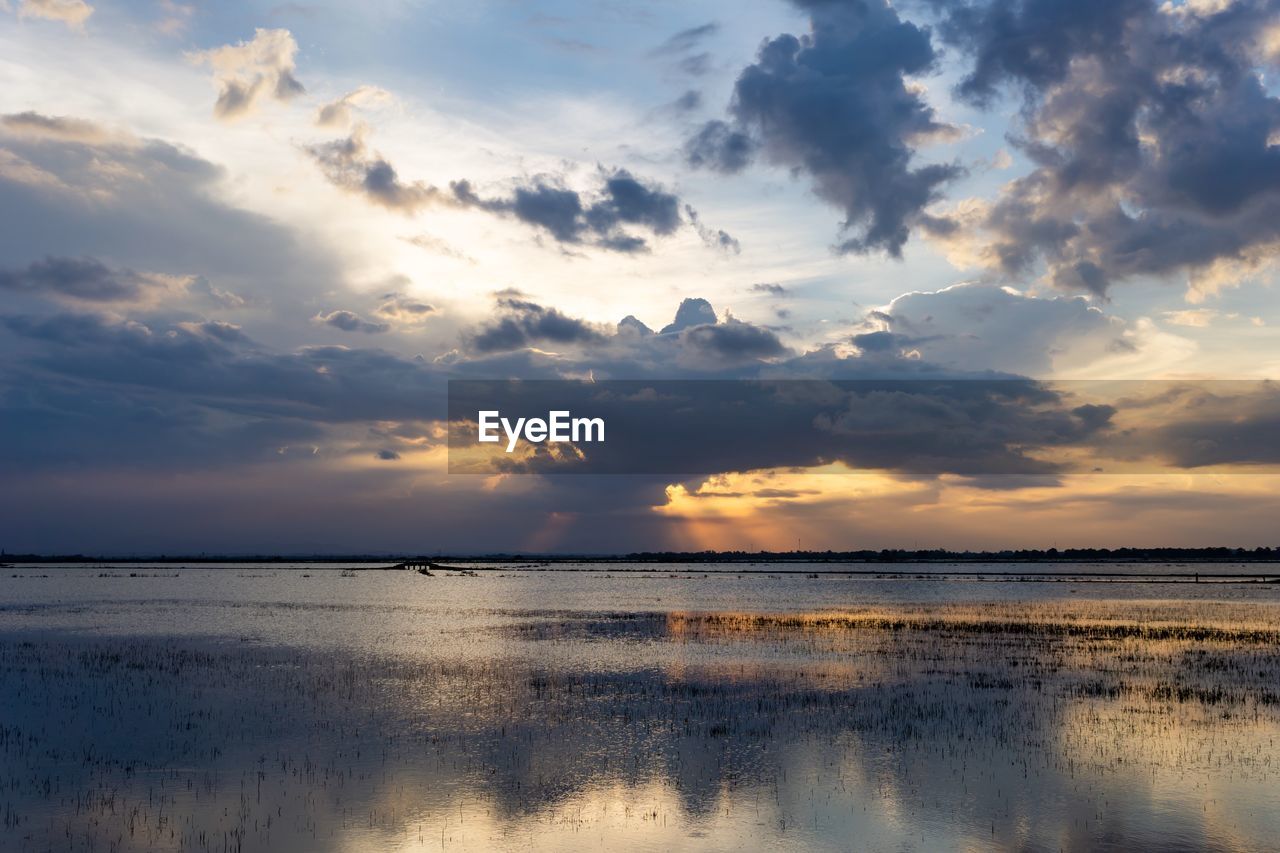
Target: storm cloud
(834, 104)
(1150, 130)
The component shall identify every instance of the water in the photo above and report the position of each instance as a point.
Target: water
(275, 708)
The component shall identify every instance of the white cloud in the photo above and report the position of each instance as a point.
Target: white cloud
(249, 71)
(73, 13)
(977, 326)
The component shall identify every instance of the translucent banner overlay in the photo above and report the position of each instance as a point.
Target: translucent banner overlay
(927, 427)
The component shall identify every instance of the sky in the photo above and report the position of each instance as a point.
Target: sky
(244, 247)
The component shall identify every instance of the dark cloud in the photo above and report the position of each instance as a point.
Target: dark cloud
(771, 288)
(605, 218)
(349, 164)
(228, 333)
(86, 212)
(719, 147)
(834, 104)
(574, 219)
(967, 426)
(734, 341)
(387, 455)
(1150, 129)
(1202, 424)
(881, 342)
(349, 321)
(714, 238)
(81, 279)
(692, 312)
(526, 324)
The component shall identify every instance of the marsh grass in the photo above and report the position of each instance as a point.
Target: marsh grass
(1067, 725)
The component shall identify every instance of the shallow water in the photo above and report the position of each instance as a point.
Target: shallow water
(163, 707)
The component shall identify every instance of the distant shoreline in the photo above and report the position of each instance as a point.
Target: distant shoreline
(888, 556)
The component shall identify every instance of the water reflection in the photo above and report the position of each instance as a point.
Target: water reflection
(1067, 728)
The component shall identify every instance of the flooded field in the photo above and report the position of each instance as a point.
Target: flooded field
(270, 708)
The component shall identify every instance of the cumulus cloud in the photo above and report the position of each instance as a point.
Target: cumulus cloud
(694, 311)
(524, 323)
(972, 326)
(603, 219)
(349, 321)
(834, 104)
(249, 71)
(696, 342)
(73, 13)
(1151, 132)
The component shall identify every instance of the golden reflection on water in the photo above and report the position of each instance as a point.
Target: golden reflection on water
(1062, 724)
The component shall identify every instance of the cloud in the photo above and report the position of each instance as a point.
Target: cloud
(772, 289)
(248, 72)
(338, 113)
(714, 238)
(176, 17)
(349, 164)
(526, 324)
(734, 341)
(601, 219)
(73, 13)
(349, 321)
(688, 102)
(1197, 318)
(404, 310)
(686, 40)
(1200, 424)
(438, 246)
(64, 128)
(143, 209)
(968, 427)
(974, 326)
(834, 104)
(719, 147)
(1150, 130)
(87, 280)
(696, 65)
(228, 333)
(605, 218)
(692, 312)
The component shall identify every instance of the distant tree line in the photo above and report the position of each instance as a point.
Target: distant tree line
(886, 555)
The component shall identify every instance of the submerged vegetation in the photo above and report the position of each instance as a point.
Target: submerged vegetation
(374, 713)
